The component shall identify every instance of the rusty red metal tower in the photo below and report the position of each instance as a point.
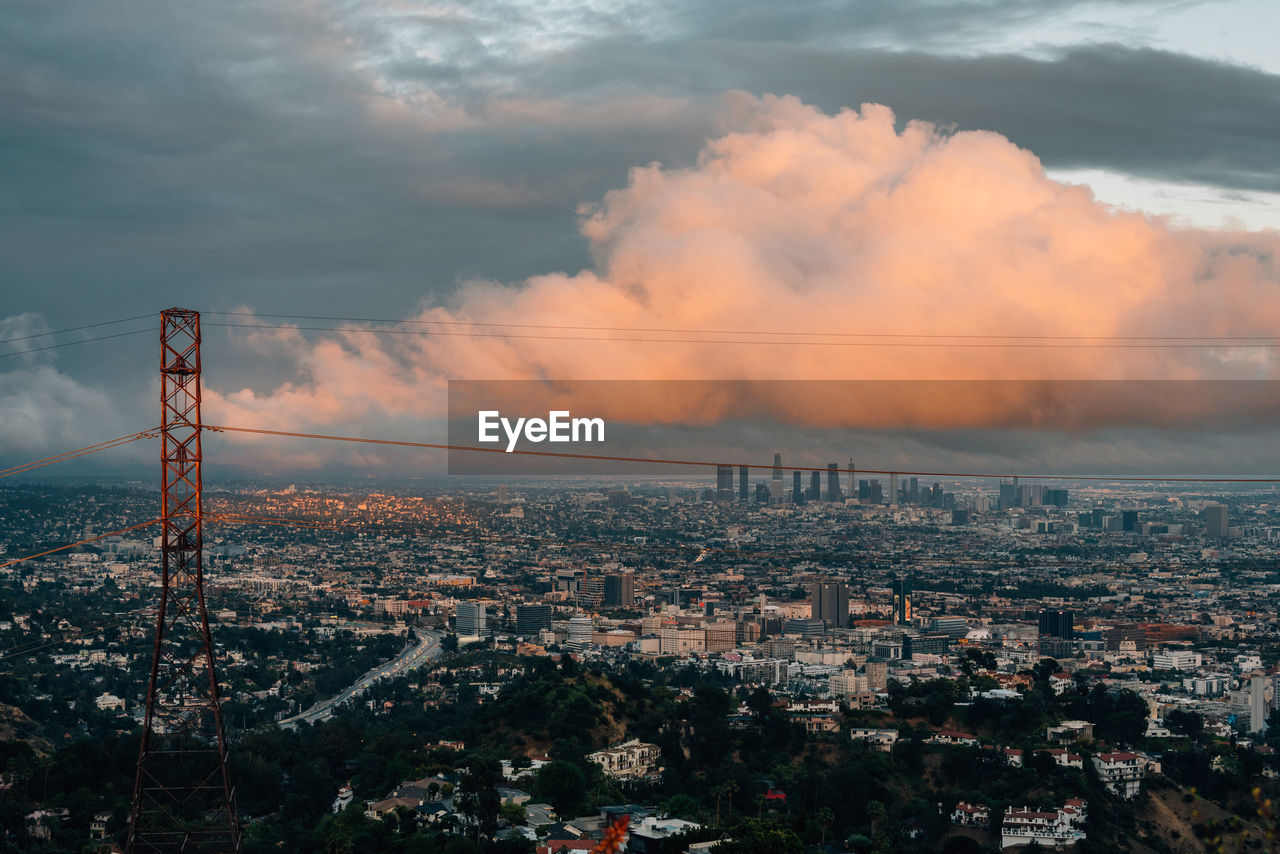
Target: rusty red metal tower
(182, 796)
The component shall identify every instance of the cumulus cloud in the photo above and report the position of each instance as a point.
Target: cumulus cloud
(802, 222)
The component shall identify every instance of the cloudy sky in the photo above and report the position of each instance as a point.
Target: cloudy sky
(1015, 167)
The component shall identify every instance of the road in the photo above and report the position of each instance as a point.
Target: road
(410, 658)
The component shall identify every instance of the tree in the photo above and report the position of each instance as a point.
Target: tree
(512, 813)
(563, 785)
(826, 818)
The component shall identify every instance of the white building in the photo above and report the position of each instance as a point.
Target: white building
(877, 739)
(1121, 772)
(1063, 828)
(580, 630)
(1176, 659)
(632, 758)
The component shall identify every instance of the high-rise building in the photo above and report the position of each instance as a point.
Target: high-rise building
(1008, 493)
(743, 494)
(893, 489)
(724, 483)
(1215, 520)
(902, 600)
(815, 486)
(531, 619)
(1055, 498)
(797, 489)
(1257, 703)
(579, 632)
(619, 590)
(833, 482)
(1129, 520)
(830, 602)
(471, 620)
(775, 482)
(1057, 624)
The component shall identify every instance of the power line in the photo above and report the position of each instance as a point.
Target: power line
(712, 463)
(74, 343)
(73, 329)
(81, 542)
(1046, 343)
(1262, 338)
(79, 452)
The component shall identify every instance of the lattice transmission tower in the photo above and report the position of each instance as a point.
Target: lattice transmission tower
(183, 800)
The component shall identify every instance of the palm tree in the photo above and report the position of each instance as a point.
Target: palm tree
(730, 789)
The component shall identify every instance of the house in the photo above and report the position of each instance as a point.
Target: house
(1121, 772)
(1061, 683)
(40, 823)
(971, 815)
(343, 800)
(876, 739)
(1014, 756)
(646, 835)
(98, 827)
(1059, 829)
(632, 759)
(1063, 758)
(109, 702)
(1069, 731)
(949, 737)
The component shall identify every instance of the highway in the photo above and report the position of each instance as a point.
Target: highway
(410, 658)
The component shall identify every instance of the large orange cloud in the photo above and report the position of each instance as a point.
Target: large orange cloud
(796, 221)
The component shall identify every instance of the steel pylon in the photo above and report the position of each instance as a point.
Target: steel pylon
(183, 800)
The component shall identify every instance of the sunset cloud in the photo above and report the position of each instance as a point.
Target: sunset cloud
(795, 221)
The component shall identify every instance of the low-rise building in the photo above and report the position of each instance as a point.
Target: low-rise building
(630, 759)
(1059, 829)
(971, 815)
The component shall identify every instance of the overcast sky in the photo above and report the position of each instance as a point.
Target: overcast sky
(378, 159)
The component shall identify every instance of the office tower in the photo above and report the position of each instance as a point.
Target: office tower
(893, 489)
(833, 482)
(619, 590)
(830, 602)
(913, 491)
(471, 620)
(724, 483)
(531, 619)
(743, 495)
(815, 486)
(1215, 520)
(874, 494)
(502, 493)
(1257, 703)
(797, 490)
(1008, 494)
(902, 600)
(762, 493)
(849, 489)
(1129, 520)
(1057, 624)
(579, 632)
(775, 483)
(1055, 498)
